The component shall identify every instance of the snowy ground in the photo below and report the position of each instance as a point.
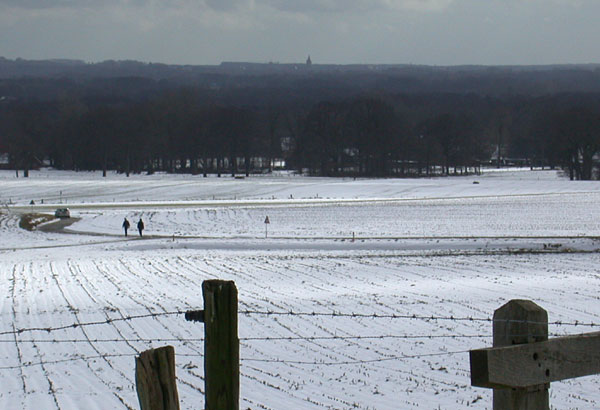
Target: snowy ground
(429, 247)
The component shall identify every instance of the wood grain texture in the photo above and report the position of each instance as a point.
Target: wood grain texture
(221, 345)
(537, 363)
(155, 379)
(520, 322)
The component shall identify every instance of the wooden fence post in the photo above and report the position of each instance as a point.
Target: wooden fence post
(523, 362)
(519, 322)
(155, 379)
(221, 345)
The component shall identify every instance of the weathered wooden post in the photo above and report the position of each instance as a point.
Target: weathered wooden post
(221, 345)
(155, 379)
(523, 362)
(520, 322)
(517, 322)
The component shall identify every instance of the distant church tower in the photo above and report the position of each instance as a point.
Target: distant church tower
(308, 61)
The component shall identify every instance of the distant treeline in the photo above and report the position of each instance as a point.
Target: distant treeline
(323, 123)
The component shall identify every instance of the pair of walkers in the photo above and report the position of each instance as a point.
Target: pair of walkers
(140, 226)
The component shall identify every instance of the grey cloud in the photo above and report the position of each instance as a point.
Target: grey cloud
(43, 4)
(315, 5)
(224, 5)
(340, 31)
(342, 6)
(74, 4)
(303, 6)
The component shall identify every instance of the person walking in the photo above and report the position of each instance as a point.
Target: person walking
(126, 225)
(140, 226)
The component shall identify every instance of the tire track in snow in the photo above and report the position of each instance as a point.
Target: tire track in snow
(190, 345)
(165, 271)
(51, 388)
(415, 273)
(75, 313)
(75, 268)
(139, 299)
(16, 338)
(241, 277)
(136, 296)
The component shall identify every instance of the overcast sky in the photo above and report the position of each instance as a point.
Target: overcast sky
(439, 32)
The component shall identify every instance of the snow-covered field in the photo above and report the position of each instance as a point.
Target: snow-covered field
(428, 247)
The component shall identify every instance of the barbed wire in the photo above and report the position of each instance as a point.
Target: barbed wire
(281, 338)
(70, 359)
(247, 339)
(362, 337)
(428, 318)
(415, 317)
(348, 362)
(242, 359)
(115, 340)
(83, 324)
(391, 336)
(245, 359)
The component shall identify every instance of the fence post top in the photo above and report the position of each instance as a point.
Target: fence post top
(215, 283)
(523, 306)
(520, 321)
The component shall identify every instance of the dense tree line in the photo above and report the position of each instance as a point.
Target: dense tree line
(140, 125)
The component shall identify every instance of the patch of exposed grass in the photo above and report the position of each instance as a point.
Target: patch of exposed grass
(30, 221)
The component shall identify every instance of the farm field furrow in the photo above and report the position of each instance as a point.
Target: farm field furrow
(404, 286)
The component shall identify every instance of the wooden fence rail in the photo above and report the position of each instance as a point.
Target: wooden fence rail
(523, 361)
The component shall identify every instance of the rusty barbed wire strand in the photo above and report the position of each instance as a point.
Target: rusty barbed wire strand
(298, 362)
(49, 329)
(414, 317)
(349, 362)
(280, 338)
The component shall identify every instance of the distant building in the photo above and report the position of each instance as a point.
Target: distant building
(308, 61)
(4, 157)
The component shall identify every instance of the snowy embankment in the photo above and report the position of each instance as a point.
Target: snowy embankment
(441, 247)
